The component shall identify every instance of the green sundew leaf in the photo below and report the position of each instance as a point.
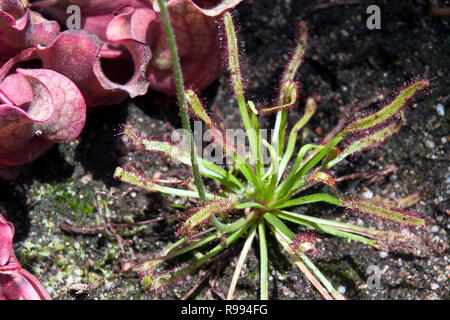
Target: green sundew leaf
(290, 96)
(410, 200)
(252, 107)
(264, 261)
(274, 159)
(367, 142)
(313, 161)
(292, 178)
(241, 261)
(146, 184)
(305, 200)
(207, 168)
(325, 228)
(197, 109)
(310, 109)
(249, 205)
(232, 227)
(153, 282)
(203, 213)
(233, 55)
(332, 155)
(279, 225)
(383, 211)
(258, 156)
(331, 223)
(390, 109)
(285, 236)
(236, 81)
(269, 190)
(286, 80)
(298, 54)
(169, 252)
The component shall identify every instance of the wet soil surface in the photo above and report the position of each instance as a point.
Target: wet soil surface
(346, 64)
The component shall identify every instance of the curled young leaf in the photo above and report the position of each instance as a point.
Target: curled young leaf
(322, 177)
(303, 243)
(289, 94)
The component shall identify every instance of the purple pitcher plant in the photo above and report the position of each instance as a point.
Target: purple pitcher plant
(15, 283)
(119, 52)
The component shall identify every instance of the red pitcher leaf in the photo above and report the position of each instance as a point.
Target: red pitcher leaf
(193, 22)
(15, 282)
(17, 123)
(95, 14)
(130, 23)
(6, 236)
(43, 31)
(21, 28)
(8, 66)
(75, 54)
(21, 285)
(138, 84)
(69, 113)
(198, 44)
(56, 113)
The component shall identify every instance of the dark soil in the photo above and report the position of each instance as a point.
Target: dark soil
(346, 64)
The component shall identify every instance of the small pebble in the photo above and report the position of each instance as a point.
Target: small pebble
(440, 109)
(434, 229)
(430, 144)
(434, 286)
(368, 194)
(383, 254)
(341, 289)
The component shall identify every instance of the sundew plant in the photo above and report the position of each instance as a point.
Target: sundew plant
(256, 199)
